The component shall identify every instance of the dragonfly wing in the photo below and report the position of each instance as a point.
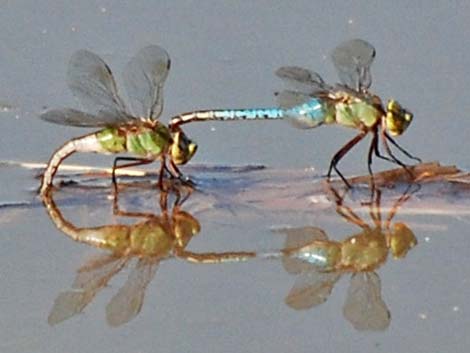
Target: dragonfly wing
(311, 288)
(302, 110)
(353, 60)
(126, 304)
(90, 279)
(296, 239)
(364, 307)
(302, 79)
(144, 77)
(92, 82)
(73, 117)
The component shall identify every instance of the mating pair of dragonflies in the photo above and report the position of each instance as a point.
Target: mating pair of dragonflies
(310, 102)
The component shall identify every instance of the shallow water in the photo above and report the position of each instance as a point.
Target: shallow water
(271, 301)
(224, 55)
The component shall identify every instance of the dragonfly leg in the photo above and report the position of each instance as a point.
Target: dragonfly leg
(369, 154)
(402, 150)
(342, 152)
(174, 170)
(395, 159)
(176, 173)
(133, 162)
(373, 147)
(345, 211)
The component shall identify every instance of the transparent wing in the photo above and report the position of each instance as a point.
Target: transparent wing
(73, 117)
(301, 110)
(302, 80)
(126, 304)
(92, 82)
(90, 279)
(296, 239)
(311, 288)
(353, 60)
(144, 77)
(364, 307)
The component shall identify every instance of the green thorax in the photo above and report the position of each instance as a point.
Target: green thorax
(357, 113)
(141, 140)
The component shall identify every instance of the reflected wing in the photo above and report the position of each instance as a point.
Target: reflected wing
(92, 82)
(296, 239)
(352, 60)
(91, 278)
(126, 304)
(73, 117)
(302, 80)
(364, 307)
(311, 288)
(144, 77)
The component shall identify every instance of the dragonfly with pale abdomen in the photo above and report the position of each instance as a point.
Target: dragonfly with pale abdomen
(311, 103)
(139, 133)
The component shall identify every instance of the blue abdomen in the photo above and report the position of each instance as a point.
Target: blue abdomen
(310, 114)
(248, 114)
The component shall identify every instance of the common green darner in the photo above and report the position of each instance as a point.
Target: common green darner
(312, 103)
(139, 134)
(319, 262)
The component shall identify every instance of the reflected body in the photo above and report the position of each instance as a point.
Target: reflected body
(311, 103)
(319, 262)
(139, 134)
(155, 238)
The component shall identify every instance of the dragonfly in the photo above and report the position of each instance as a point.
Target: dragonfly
(310, 102)
(319, 262)
(139, 133)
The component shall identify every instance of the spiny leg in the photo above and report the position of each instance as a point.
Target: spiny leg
(395, 159)
(135, 162)
(344, 211)
(375, 209)
(402, 150)
(161, 172)
(341, 153)
(380, 155)
(176, 173)
(372, 147)
(401, 200)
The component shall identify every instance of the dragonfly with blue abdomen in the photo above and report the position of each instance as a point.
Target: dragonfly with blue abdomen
(139, 133)
(311, 103)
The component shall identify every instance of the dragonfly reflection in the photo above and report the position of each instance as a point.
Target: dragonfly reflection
(319, 262)
(154, 238)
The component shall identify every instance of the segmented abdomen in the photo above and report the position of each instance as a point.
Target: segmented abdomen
(87, 143)
(311, 114)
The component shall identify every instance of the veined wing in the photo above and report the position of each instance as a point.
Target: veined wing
(92, 82)
(90, 279)
(353, 60)
(73, 117)
(302, 80)
(303, 110)
(311, 288)
(364, 307)
(126, 304)
(144, 77)
(296, 239)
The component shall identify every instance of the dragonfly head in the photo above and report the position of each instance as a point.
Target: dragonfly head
(182, 149)
(401, 239)
(397, 118)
